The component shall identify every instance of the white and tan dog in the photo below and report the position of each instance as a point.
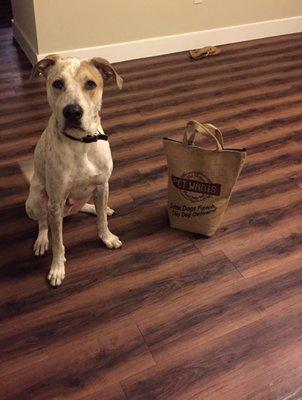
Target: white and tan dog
(72, 159)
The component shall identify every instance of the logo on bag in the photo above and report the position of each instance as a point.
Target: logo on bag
(195, 186)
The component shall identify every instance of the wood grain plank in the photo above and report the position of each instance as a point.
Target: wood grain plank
(100, 358)
(185, 375)
(202, 314)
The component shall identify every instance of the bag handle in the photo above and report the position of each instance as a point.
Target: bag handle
(206, 129)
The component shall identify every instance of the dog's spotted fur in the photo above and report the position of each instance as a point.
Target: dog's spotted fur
(68, 173)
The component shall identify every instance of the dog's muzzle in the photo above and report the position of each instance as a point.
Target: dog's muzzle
(73, 114)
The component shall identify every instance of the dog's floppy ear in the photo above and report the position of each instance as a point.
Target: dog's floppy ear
(107, 71)
(43, 66)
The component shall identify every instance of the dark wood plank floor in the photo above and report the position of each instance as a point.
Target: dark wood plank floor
(170, 315)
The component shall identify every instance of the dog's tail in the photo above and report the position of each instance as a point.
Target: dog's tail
(27, 168)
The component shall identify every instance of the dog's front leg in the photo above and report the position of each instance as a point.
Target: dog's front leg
(100, 196)
(57, 269)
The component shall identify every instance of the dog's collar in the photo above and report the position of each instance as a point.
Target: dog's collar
(88, 138)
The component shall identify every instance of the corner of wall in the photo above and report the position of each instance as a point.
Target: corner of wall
(24, 28)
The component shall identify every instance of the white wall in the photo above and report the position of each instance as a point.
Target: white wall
(63, 25)
(24, 18)
(69, 24)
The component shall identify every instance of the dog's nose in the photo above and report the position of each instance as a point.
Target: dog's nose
(73, 112)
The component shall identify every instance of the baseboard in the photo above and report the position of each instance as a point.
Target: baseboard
(24, 43)
(174, 43)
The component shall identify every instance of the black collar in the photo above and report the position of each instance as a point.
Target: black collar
(88, 138)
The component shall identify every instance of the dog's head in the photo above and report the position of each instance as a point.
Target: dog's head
(75, 89)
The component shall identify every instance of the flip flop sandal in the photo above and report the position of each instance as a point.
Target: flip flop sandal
(204, 52)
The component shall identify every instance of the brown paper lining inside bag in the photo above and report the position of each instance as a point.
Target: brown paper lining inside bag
(200, 181)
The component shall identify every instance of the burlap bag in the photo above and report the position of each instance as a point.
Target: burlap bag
(200, 181)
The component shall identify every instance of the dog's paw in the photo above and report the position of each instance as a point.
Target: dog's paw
(56, 275)
(110, 211)
(41, 245)
(111, 241)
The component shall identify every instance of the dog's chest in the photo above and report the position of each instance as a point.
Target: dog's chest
(83, 180)
(89, 170)
(76, 170)
(84, 177)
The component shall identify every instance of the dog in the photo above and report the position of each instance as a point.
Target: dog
(72, 159)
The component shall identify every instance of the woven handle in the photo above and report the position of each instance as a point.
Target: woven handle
(205, 129)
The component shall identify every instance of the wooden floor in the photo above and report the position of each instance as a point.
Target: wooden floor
(170, 315)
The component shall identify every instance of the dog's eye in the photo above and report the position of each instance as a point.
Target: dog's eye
(90, 85)
(58, 84)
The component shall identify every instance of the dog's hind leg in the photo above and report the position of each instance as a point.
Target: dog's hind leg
(36, 208)
(109, 210)
(100, 196)
(41, 244)
(36, 203)
(90, 209)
